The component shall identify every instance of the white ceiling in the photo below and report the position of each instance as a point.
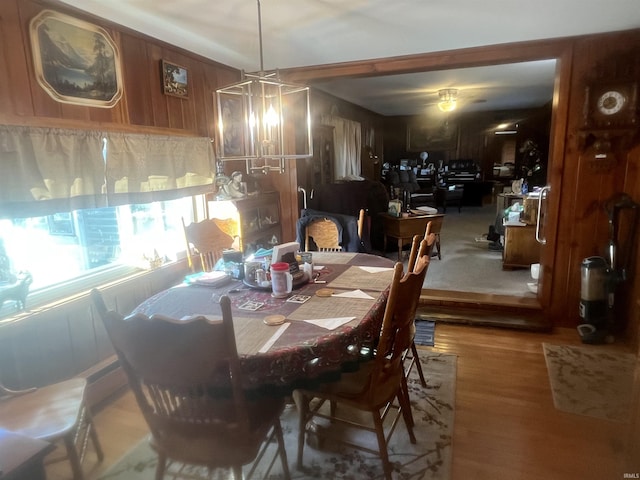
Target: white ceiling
(315, 32)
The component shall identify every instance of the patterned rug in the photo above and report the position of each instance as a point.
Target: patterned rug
(588, 380)
(430, 458)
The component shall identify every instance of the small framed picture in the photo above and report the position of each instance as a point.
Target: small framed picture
(175, 80)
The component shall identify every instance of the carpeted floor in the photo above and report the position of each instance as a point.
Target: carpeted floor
(468, 265)
(430, 458)
(589, 380)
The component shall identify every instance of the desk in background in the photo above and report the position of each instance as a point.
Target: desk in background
(301, 353)
(404, 228)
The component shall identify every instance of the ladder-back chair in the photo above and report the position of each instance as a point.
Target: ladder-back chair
(419, 248)
(186, 377)
(324, 234)
(205, 240)
(379, 382)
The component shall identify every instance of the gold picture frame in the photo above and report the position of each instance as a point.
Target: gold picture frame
(75, 62)
(175, 80)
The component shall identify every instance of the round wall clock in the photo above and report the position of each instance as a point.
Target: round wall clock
(611, 102)
(612, 105)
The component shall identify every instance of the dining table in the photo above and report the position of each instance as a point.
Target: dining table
(327, 325)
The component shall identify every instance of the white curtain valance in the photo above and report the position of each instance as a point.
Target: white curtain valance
(50, 170)
(145, 166)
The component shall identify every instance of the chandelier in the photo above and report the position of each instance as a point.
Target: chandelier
(447, 101)
(263, 120)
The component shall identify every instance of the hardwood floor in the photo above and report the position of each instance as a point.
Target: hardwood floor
(506, 426)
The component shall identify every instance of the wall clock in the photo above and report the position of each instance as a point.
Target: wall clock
(611, 105)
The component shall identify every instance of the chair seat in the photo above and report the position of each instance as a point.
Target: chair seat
(47, 413)
(353, 388)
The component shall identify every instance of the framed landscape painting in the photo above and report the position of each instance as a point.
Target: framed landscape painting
(75, 62)
(175, 80)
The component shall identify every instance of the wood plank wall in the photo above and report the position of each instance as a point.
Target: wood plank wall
(59, 341)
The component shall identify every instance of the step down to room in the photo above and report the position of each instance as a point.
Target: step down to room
(493, 310)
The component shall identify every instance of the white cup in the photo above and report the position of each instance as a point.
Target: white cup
(281, 280)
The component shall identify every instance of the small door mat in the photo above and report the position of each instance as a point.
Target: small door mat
(425, 332)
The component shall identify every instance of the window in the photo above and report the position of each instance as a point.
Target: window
(56, 249)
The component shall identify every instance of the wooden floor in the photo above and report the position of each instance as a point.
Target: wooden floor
(506, 426)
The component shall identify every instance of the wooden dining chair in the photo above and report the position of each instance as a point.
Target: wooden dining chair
(324, 234)
(55, 413)
(186, 378)
(434, 225)
(419, 248)
(415, 247)
(206, 241)
(376, 386)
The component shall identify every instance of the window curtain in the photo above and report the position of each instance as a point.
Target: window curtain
(347, 139)
(149, 168)
(49, 170)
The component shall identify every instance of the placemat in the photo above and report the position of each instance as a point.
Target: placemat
(332, 307)
(357, 277)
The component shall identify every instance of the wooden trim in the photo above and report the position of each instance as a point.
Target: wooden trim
(445, 60)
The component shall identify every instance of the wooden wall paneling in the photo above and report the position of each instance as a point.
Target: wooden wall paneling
(15, 96)
(581, 235)
(43, 350)
(139, 84)
(194, 117)
(8, 365)
(286, 184)
(57, 350)
(159, 103)
(553, 277)
(82, 335)
(632, 187)
(200, 102)
(103, 345)
(43, 104)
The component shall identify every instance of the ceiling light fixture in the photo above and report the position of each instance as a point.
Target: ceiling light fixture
(447, 101)
(263, 120)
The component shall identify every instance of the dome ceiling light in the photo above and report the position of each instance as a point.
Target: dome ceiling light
(447, 101)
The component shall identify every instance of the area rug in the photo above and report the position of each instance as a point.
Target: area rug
(430, 458)
(425, 332)
(588, 380)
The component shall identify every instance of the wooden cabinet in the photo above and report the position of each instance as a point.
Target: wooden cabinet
(521, 248)
(257, 219)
